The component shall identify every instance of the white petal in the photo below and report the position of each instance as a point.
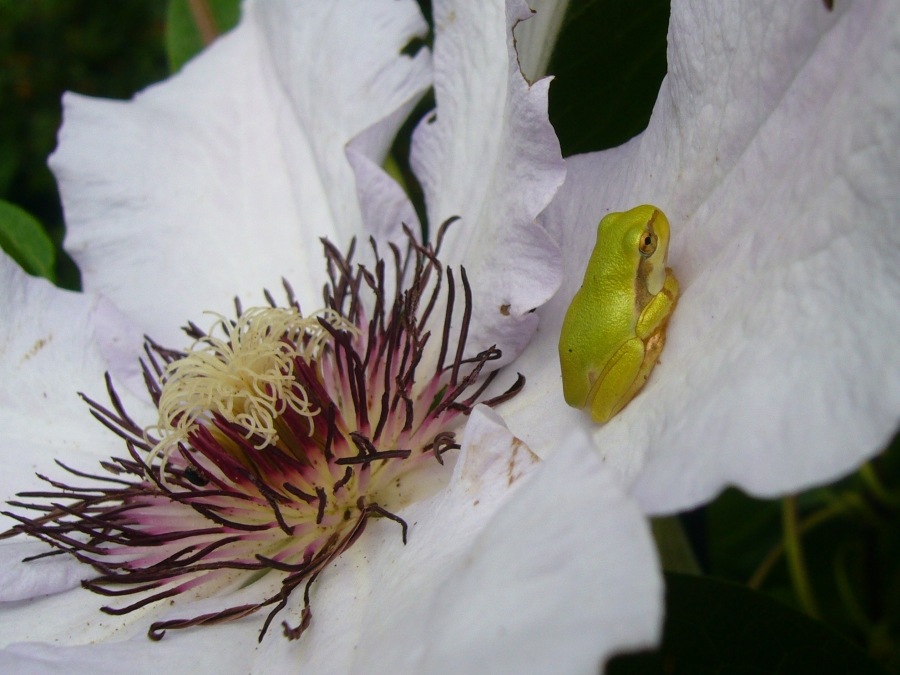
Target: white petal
(514, 578)
(490, 156)
(221, 180)
(52, 346)
(141, 656)
(21, 581)
(223, 649)
(70, 627)
(562, 578)
(536, 38)
(772, 149)
(385, 206)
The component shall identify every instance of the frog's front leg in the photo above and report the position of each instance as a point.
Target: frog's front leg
(616, 384)
(657, 311)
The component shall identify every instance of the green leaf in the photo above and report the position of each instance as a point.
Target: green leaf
(718, 627)
(609, 61)
(23, 237)
(183, 37)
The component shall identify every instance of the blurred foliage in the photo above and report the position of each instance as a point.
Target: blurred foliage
(609, 61)
(719, 627)
(190, 26)
(24, 238)
(109, 49)
(851, 544)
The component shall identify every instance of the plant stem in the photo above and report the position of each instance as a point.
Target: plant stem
(675, 552)
(794, 553)
(772, 557)
(876, 487)
(204, 20)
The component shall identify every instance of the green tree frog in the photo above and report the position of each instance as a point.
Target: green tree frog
(615, 328)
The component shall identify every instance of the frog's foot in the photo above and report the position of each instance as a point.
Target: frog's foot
(626, 374)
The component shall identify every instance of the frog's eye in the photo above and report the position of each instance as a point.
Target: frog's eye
(647, 243)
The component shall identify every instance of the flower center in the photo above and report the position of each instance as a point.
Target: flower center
(246, 377)
(279, 436)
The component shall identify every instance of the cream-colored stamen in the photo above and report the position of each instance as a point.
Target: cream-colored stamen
(246, 377)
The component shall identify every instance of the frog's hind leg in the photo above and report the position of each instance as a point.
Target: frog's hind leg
(626, 373)
(619, 382)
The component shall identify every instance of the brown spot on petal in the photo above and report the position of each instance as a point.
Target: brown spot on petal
(36, 347)
(521, 455)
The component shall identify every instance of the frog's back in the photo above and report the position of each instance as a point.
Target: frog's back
(586, 345)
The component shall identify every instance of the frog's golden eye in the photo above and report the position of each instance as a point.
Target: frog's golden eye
(647, 243)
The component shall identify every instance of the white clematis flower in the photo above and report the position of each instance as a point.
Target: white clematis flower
(219, 182)
(772, 149)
